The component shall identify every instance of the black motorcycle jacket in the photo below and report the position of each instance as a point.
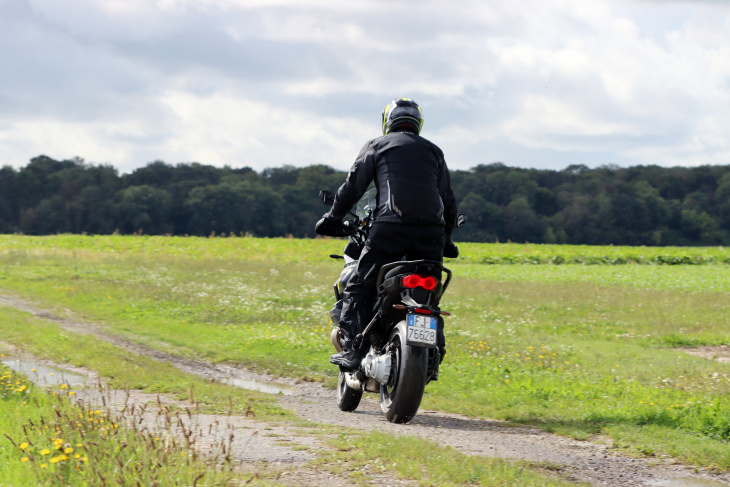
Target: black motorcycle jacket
(411, 177)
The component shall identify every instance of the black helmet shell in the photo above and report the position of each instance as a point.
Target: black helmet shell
(402, 111)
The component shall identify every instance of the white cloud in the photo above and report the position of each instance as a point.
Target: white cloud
(227, 129)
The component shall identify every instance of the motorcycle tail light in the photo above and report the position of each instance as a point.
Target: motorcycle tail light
(428, 283)
(422, 311)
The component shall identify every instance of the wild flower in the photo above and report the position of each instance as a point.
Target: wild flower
(59, 458)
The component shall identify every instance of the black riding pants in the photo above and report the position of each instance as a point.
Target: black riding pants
(388, 242)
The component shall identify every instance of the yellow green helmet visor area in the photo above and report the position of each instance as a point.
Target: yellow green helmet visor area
(402, 111)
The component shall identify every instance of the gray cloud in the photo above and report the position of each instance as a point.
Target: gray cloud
(232, 82)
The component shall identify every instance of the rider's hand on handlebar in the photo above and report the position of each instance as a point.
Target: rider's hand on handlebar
(333, 227)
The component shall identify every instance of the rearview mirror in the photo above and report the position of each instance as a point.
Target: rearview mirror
(327, 197)
(461, 219)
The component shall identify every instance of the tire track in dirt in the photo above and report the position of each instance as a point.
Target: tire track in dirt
(591, 462)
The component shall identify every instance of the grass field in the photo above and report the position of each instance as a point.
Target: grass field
(576, 349)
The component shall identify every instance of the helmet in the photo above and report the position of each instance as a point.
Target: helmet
(402, 111)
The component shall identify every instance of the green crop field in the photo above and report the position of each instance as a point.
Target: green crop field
(581, 341)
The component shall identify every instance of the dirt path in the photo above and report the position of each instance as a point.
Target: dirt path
(592, 462)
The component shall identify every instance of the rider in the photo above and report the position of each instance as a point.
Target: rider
(415, 213)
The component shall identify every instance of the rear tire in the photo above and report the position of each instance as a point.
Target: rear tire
(401, 397)
(347, 398)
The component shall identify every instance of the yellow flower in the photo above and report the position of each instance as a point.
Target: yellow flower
(23, 446)
(72, 393)
(24, 459)
(68, 450)
(45, 452)
(77, 456)
(55, 459)
(44, 465)
(64, 386)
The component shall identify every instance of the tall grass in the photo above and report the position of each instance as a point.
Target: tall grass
(50, 439)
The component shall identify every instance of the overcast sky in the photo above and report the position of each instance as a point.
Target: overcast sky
(264, 83)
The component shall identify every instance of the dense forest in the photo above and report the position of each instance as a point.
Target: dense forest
(641, 205)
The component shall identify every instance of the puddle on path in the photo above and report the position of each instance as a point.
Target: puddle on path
(687, 482)
(267, 387)
(44, 374)
(47, 375)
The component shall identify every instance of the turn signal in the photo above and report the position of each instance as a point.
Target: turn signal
(429, 283)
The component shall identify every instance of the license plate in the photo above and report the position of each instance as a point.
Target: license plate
(421, 329)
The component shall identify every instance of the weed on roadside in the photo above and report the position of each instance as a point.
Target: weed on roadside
(51, 439)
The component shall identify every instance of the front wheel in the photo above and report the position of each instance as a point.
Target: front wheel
(401, 396)
(347, 398)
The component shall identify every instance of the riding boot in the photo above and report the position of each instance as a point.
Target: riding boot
(435, 375)
(349, 358)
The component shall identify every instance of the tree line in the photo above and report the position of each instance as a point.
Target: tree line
(640, 205)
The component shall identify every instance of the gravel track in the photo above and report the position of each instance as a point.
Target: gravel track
(588, 461)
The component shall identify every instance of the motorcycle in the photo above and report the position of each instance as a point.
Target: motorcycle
(406, 334)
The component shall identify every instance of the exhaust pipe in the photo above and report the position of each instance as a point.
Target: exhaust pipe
(353, 382)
